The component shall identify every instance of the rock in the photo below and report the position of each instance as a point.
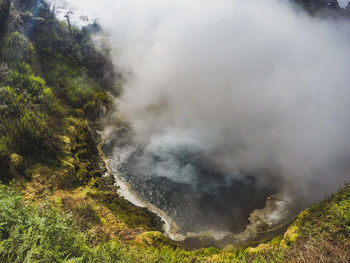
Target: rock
(96, 138)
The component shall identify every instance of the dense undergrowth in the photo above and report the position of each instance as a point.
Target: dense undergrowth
(48, 73)
(43, 234)
(56, 206)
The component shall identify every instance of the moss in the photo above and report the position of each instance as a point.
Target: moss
(259, 249)
(290, 236)
(237, 255)
(275, 242)
(51, 89)
(66, 145)
(16, 160)
(154, 238)
(82, 175)
(133, 216)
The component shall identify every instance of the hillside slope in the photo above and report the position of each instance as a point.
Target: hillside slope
(57, 204)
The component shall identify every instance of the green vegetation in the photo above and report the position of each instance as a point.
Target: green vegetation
(133, 216)
(58, 207)
(48, 73)
(26, 104)
(319, 234)
(35, 235)
(42, 234)
(322, 231)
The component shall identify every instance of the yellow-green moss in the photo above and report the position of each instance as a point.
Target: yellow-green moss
(290, 236)
(16, 160)
(153, 238)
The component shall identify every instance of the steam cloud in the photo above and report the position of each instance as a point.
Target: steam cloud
(252, 84)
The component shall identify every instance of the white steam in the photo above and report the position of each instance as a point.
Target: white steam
(343, 3)
(253, 84)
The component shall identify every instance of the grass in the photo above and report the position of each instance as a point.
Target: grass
(41, 232)
(133, 216)
(51, 88)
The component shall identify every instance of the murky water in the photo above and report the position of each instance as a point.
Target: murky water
(199, 197)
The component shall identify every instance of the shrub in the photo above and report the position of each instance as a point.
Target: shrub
(36, 235)
(15, 48)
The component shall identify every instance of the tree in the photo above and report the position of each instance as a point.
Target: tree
(67, 16)
(26, 4)
(5, 6)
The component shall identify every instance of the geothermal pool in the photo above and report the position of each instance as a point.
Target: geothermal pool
(190, 188)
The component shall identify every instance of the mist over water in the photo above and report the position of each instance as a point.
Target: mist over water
(254, 88)
(343, 3)
(192, 189)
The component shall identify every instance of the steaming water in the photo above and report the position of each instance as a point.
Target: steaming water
(200, 197)
(262, 87)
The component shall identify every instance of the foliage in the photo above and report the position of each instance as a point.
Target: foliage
(133, 216)
(69, 61)
(319, 234)
(30, 234)
(44, 235)
(4, 15)
(46, 73)
(52, 80)
(15, 49)
(35, 235)
(25, 104)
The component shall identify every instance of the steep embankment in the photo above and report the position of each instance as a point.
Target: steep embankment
(52, 90)
(320, 234)
(59, 206)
